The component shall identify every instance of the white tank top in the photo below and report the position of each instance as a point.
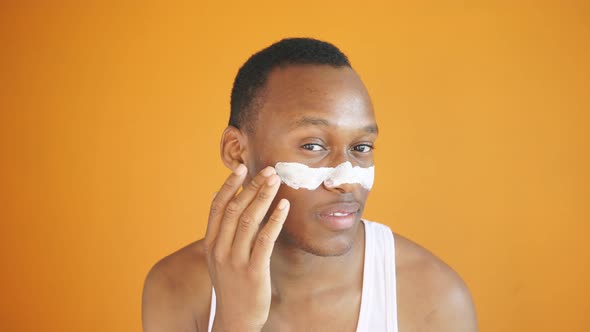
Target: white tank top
(378, 312)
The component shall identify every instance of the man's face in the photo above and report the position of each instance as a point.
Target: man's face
(319, 116)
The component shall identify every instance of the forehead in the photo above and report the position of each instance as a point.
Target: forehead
(336, 95)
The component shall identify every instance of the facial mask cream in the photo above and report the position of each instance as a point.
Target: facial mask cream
(297, 175)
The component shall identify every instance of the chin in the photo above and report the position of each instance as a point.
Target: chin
(330, 251)
(337, 245)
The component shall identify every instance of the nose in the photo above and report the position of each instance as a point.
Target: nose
(342, 188)
(334, 182)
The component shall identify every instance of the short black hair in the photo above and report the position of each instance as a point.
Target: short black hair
(253, 74)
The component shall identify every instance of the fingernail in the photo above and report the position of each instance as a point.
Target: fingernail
(282, 204)
(268, 171)
(240, 170)
(273, 180)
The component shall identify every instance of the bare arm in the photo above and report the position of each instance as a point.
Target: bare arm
(455, 311)
(163, 307)
(432, 296)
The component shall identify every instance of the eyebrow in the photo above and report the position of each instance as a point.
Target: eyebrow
(313, 121)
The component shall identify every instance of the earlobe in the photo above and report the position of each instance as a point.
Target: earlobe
(232, 147)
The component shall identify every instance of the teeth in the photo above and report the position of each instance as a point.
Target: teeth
(339, 214)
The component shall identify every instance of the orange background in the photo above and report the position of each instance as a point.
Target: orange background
(110, 118)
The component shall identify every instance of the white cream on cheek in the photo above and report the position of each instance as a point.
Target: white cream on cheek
(297, 175)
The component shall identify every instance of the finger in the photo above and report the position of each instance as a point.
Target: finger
(266, 239)
(250, 219)
(219, 202)
(233, 210)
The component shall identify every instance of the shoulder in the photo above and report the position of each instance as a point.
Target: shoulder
(177, 292)
(431, 295)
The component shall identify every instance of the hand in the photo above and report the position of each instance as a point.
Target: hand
(238, 252)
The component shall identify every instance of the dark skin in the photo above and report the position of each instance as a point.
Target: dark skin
(268, 263)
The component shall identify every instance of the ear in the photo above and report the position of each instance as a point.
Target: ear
(233, 147)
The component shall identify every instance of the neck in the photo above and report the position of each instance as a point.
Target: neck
(297, 274)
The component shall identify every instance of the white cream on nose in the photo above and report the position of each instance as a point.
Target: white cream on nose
(297, 175)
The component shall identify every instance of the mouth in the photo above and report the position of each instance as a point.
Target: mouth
(339, 216)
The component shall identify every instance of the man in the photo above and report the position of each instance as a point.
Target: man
(276, 258)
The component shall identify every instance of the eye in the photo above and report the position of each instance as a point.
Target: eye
(363, 148)
(313, 147)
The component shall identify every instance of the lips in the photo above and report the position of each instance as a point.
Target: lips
(339, 216)
(340, 209)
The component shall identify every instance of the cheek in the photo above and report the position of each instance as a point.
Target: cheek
(301, 200)
(294, 196)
